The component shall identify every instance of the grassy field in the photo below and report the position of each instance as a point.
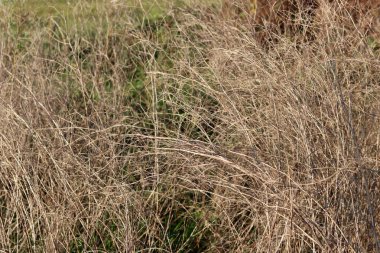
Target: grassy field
(185, 126)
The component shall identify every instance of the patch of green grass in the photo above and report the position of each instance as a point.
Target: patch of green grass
(150, 8)
(76, 246)
(373, 43)
(48, 8)
(186, 232)
(184, 224)
(69, 16)
(102, 239)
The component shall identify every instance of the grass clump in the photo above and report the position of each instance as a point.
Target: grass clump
(190, 130)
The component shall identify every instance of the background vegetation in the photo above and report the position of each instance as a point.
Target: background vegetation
(188, 127)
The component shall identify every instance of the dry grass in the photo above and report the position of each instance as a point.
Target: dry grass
(194, 132)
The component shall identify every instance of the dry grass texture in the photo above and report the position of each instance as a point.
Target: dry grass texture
(187, 134)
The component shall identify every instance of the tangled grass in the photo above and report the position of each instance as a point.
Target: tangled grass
(188, 132)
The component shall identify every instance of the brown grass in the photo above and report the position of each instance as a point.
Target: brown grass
(189, 133)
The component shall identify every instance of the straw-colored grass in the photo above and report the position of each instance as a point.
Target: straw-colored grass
(193, 131)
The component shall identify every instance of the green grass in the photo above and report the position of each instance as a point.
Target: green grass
(46, 8)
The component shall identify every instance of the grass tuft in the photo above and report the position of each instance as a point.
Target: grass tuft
(188, 127)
